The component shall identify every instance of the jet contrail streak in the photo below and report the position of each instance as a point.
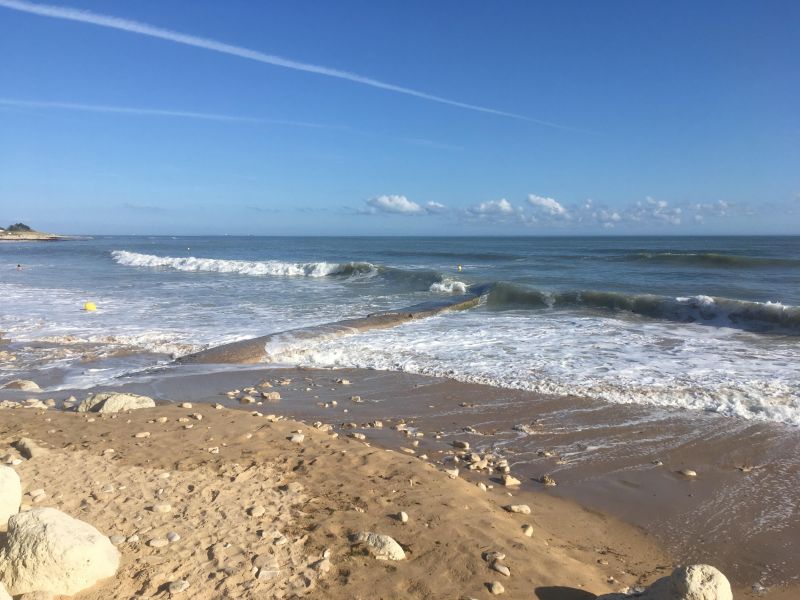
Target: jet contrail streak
(83, 16)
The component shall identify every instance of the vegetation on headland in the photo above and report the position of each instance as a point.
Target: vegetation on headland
(20, 232)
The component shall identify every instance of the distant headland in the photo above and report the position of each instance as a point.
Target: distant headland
(19, 232)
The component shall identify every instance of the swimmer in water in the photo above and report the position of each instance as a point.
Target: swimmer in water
(19, 267)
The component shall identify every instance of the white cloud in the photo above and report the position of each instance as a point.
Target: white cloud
(492, 207)
(394, 204)
(85, 16)
(549, 206)
(435, 207)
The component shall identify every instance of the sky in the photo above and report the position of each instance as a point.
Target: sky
(401, 117)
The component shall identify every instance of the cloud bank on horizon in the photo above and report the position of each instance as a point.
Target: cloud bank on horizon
(130, 26)
(544, 211)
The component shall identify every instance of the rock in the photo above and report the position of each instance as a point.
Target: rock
(527, 529)
(185, 405)
(29, 449)
(508, 480)
(117, 539)
(501, 568)
(461, 445)
(297, 438)
(49, 551)
(381, 546)
(4, 595)
(343, 381)
(24, 385)
(357, 436)
(403, 517)
(142, 434)
(162, 508)
(481, 486)
(114, 402)
(178, 587)
(196, 416)
(157, 542)
(496, 588)
(694, 582)
(271, 396)
(688, 473)
(257, 511)
(547, 480)
(452, 473)
(10, 495)
(522, 509)
(173, 536)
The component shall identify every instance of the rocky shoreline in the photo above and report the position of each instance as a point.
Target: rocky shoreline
(218, 502)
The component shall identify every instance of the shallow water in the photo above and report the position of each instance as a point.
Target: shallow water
(702, 323)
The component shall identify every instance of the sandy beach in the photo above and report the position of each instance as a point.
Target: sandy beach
(258, 514)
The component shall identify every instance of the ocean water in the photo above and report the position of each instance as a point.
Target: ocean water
(702, 323)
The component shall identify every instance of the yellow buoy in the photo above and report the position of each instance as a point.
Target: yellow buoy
(89, 306)
(459, 268)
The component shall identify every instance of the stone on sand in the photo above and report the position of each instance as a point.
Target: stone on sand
(381, 546)
(10, 495)
(4, 595)
(178, 587)
(496, 588)
(508, 480)
(527, 529)
(522, 509)
(29, 449)
(114, 402)
(24, 385)
(49, 551)
(693, 582)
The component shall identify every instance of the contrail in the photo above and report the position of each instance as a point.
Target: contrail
(154, 112)
(84, 16)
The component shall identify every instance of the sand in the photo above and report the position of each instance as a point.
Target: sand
(311, 496)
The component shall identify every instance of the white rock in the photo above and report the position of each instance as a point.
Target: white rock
(10, 495)
(114, 402)
(157, 543)
(117, 539)
(185, 405)
(501, 568)
(522, 509)
(173, 536)
(688, 473)
(694, 582)
(142, 434)
(49, 551)
(22, 384)
(527, 529)
(403, 516)
(381, 546)
(162, 507)
(452, 473)
(297, 438)
(178, 587)
(4, 595)
(508, 480)
(496, 588)
(461, 445)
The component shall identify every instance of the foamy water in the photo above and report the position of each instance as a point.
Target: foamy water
(699, 324)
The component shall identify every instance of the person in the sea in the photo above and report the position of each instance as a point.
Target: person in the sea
(19, 267)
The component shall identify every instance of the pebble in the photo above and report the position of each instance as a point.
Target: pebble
(161, 420)
(133, 539)
(522, 509)
(196, 416)
(357, 436)
(157, 543)
(177, 587)
(403, 516)
(257, 511)
(161, 507)
(142, 434)
(185, 405)
(547, 480)
(271, 396)
(501, 568)
(452, 473)
(297, 438)
(496, 588)
(527, 530)
(213, 450)
(188, 426)
(461, 445)
(481, 486)
(117, 539)
(164, 475)
(688, 473)
(173, 536)
(508, 480)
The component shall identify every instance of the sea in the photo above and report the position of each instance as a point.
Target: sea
(699, 323)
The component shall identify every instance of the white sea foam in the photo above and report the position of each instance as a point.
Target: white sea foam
(241, 267)
(634, 361)
(449, 286)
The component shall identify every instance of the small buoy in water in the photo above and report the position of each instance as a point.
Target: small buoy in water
(89, 306)
(459, 268)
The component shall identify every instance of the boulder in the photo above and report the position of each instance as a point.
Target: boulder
(694, 582)
(49, 551)
(381, 546)
(114, 402)
(23, 384)
(4, 595)
(10, 495)
(28, 448)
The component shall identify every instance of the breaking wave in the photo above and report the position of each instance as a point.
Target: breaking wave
(243, 267)
(744, 314)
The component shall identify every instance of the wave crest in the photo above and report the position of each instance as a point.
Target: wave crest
(243, 267)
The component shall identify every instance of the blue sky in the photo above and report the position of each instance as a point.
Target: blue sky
(584, 117)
